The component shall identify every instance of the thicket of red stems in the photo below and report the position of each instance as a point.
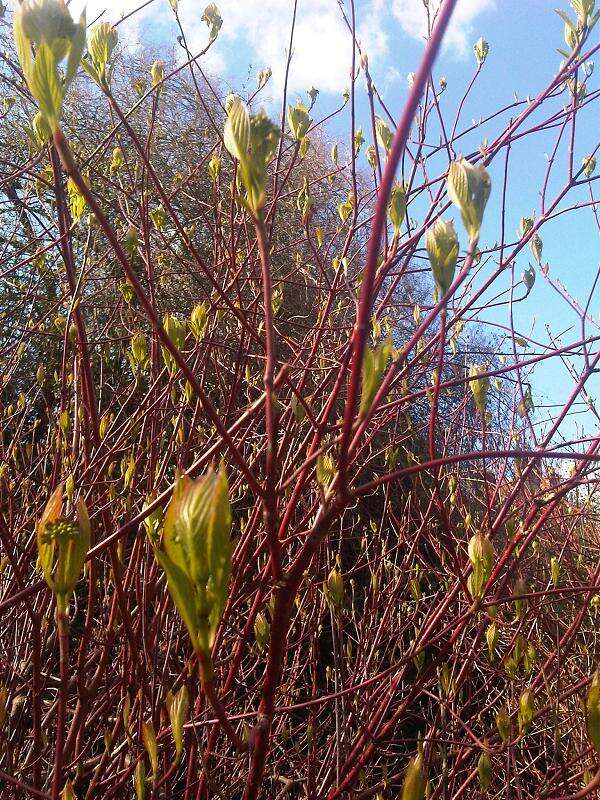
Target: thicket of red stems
(350, 639)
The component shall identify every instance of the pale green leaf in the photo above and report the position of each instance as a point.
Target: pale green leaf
(45, 84)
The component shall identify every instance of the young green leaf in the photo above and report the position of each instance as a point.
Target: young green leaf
(374, 363)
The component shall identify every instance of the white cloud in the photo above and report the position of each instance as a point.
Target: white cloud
(392, 77)
(257, 32)
(322, 44)
(158, 12)
(411, 15)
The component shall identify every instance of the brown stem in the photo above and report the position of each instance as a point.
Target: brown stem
(62, 622)
(270, 496)
(208, 687)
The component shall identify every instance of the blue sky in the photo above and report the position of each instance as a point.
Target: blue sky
(523, 37)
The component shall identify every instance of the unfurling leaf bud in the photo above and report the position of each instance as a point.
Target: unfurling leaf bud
(359, 140)
(481, 49)
(503, 724)
(48, 25)
(139, 780)
(491, 636)
(196, 553)
(299, 120)
(131, 241)
(374, 363)
(117, 160)
(139, 87)
(442, 248)
(305, 202)
(334, 589)
(479, 385)
(325, 470)
(47, 21)
(253, 141)
(159, 217)
(298, 409)
(68, 792)
(177, 708)
(528, 278)
(481, 556)
(153, 520)
(415, 781)
(526, 710)
(397, 207)
(41, 128)
(62, 546)
(537, 247)
(214, 167)
(263, 77)
(102, 42)
(383, 134)
(198, 320)
(139, 349)
(261, 631)
(157, 73)
(529, 659)
(589, 166)
(175, 330)
(150, 744)
(584, 9)
(371, 156)
(525, 225)
(520, 588)
(469, 188)
(592, 708)
(555, 570)
(484, 771)
(345, 209)
(213, 20)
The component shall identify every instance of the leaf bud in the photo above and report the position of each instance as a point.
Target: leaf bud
(469, 188)
(441, 242)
